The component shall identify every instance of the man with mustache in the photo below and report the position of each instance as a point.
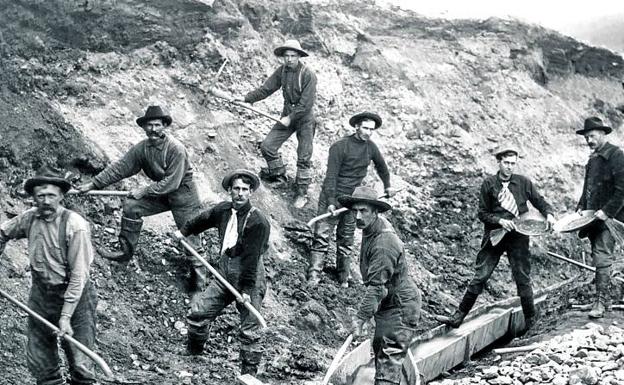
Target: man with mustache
(390, 294)
(298, 84)
(244, 236)
(60, 253)
(503, 197)
(165, 161)
(603, 191)
(347, 165)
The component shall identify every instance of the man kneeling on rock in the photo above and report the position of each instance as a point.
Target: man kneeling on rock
(60, 253)
(165, 161)
(391, 295)
(244, 236)
(504, 197)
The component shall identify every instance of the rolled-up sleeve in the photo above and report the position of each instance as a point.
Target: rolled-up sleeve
(15, 228)
(79, 259)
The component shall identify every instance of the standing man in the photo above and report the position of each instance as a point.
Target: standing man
(244, 238)
(165, 161)
(60, 253)
(603, 191)
(390, 295)
(347, 165)
(504, 197)
(298, 85)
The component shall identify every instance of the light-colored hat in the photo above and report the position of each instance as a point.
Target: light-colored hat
(505, 149)
(364, 194)
(291, 44)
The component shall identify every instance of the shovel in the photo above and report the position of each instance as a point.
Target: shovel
(225, 283)
(91, 354)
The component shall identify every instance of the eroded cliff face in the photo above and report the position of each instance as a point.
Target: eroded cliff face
(75, 75)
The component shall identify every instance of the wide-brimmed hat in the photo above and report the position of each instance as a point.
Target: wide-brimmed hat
(230, 176)
(505, 149)
(47, 175)
(357, 118)
(594, 123)
(291, 44)
(154, 112)
(364, 194)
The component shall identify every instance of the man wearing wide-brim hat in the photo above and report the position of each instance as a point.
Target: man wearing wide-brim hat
(390, 294)
(603, 191)
(60, 254)
(165, 161)
(298, 84)
(347, 166)
(243, 234)
(503, 197)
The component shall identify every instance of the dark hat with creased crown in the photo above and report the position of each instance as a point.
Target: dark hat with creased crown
(357, 118)
(364, 194)
(594, 123)
(230, 176)
(154, 112)
(292, 45)
(47, 175)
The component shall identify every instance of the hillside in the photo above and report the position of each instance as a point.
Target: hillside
(75, 75)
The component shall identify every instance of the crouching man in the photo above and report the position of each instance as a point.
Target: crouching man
(391, 295)
(60, 253)
(244, 236)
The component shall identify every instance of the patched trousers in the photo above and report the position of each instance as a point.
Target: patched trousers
(42, 356)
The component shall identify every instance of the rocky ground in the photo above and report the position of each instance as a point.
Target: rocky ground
(75, 75)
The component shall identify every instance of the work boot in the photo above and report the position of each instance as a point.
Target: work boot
(300, 201)
(315, 267)
(597, 310)
(343, 266)
(128, 240)
(457, 318)
(603, 295)
(194, 347)
(528, 309)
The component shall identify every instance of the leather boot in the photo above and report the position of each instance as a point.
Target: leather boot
(274, 172)
(602, 302)
(128, 240)
(315, 267)
(457, 318)
(528, 309)
(301, 198)
(343, 266)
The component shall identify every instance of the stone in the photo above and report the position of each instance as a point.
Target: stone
(586, 375)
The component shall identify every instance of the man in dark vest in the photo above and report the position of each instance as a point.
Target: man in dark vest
(298, 84)
(390, 294)
(603, 191)
(244, 236)
(60, 253)
(165, 161)
(347, 165)
(502, 198)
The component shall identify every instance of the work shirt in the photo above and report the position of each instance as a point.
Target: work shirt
(252, 242)
(384, 271)
(166, 163)
(44, 251)
(298, 88)
(347, 165)
(522, 189)
(603, 188)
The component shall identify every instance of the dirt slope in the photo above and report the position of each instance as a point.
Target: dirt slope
(75, 75)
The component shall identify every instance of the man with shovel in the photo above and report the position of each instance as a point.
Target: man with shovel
(60, 253)
(298, 84)
(390, 295)
(244, 236)
(165, 161)
(603, 191)
(347, 166)
(503, 197)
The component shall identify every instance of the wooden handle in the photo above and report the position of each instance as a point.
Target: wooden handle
(112, 193)
(222, 95)
(565, 259)
(96, 358)
(225, 283)
(334, 364)
(336, 212)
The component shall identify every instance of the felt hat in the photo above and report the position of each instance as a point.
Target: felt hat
(594, 123)
(505, 149)
(230, 176)
(357, 118)
(47, 175)
(154, 112)
(364, 194)
(291, 44)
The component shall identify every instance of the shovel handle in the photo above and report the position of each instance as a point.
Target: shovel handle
(222, 95)
(225, 283)
(91, 354)
(112, 193)
(572, 261)
(334, 364)
(337, 211)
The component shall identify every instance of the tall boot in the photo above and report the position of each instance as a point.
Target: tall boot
(128, 240)
(250, 358)
(462, 311)
(602, 301)
(343, 267)
(528, 309)
(301, 198)
(316, 266)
